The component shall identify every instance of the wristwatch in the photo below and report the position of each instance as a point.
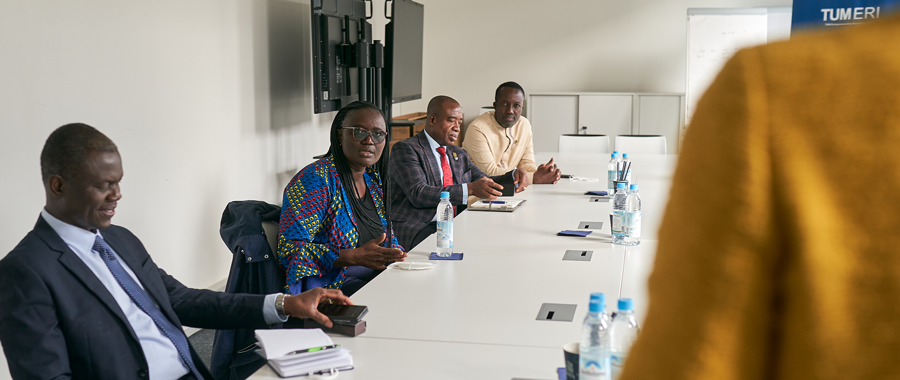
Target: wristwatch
(279, 306)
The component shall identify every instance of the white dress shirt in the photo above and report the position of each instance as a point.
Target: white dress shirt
(437, 158)
(160, 351)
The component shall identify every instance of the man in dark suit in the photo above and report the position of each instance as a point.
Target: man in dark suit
(419, 174)
(82, 299)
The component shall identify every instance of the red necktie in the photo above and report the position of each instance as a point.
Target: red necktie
(445, 167)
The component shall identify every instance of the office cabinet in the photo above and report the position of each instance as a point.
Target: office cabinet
(605, 113)
(661, 115)
(549, 115)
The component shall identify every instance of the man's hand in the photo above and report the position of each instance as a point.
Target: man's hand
(373, 255)
(485, 188)
(521, 179)
(547, 173)
(304, 305)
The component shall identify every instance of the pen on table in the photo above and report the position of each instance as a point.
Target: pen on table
(494, 202)
(314, 349)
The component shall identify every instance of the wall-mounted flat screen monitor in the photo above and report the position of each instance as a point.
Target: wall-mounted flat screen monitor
(404, 50)
(336, 23)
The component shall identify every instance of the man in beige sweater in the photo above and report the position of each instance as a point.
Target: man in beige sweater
(500, 140)
(779, 254)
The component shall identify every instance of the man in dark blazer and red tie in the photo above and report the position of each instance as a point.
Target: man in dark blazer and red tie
(427, 164)
(80, 298)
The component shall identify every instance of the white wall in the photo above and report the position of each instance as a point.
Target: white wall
(183, 88)
(471, 46)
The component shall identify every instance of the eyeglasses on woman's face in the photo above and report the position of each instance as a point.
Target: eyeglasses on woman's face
(360, 134)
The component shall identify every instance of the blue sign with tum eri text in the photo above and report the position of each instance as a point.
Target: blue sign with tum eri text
(829, 13)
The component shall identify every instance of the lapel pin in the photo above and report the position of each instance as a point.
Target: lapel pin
(517, 141)
(455, 158)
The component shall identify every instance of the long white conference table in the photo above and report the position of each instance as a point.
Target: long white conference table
(479, 318)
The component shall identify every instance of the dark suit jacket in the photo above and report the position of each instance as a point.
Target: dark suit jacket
(416, 184)
(58, 321)
(254, 270)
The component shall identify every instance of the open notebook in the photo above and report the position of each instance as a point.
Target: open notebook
(499, 204)
(294, 352)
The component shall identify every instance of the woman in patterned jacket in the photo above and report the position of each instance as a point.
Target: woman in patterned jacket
(335, 228)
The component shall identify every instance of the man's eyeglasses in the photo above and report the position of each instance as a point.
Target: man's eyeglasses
(360, 134)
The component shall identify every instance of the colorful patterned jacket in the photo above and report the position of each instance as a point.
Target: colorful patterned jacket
(317, 222)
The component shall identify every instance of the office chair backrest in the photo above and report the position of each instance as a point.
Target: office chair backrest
(584, 144)
(271, 230)
(641, 144)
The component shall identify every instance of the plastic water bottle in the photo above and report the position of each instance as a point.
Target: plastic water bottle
(611, 173)
(445, 226)
(619, 203)
(599, 297)
(625, 162)
(593, 351)
(632, 217)
(623, 330)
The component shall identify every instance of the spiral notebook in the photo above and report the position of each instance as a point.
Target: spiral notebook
(296, 352)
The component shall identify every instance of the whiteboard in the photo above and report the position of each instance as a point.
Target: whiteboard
(714, 35)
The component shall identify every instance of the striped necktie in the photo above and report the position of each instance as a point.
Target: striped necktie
(143, 302)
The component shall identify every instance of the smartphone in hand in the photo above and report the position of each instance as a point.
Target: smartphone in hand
(347, 314)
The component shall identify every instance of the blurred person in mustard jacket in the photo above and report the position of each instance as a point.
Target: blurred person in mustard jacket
(779, 254)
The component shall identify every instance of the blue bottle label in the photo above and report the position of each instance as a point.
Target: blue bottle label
(618, 227)
(616, 364)
(632, 224)
(445, 234)
(594, 369)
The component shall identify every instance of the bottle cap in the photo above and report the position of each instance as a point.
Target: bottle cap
(597, 303)
(620, 185)
(634, 187)
(626, 304)
(445, 195)
(614, 154)
(624, 155)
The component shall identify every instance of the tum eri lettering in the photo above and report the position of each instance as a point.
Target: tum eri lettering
(847, 14)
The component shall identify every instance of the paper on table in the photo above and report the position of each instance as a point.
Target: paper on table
(340, 358)
(278, 343)
(313, 357)
(412, 265)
